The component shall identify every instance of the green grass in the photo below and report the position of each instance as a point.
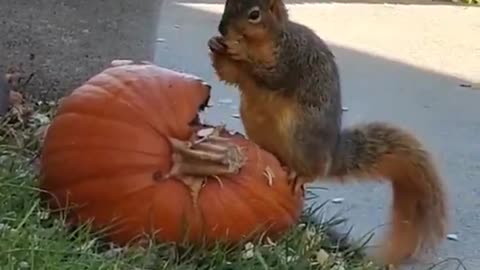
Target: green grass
(31, 239)
(471, 2)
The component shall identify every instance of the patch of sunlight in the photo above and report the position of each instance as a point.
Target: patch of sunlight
(447, 42)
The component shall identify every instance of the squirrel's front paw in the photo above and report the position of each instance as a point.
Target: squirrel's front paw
(236, 50)
(226, 68)
(217, 45)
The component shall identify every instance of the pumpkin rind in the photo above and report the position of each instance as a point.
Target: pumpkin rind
(109, 142)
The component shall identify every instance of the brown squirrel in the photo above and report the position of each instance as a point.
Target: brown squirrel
(291, 106)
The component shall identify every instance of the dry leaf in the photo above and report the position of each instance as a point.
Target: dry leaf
(43, 119)
(61, 100)
(22, 112)
(322, 256)
(15, 98)
(249, 251)
(475, 85)
(24, 265)
(452, 237)
(43, 215)
(338, 200)
(41, 132)
(339, 267)
(113, 252)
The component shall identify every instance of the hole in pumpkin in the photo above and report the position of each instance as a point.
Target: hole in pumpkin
(205, 102)
(195, 122)
(157, 176)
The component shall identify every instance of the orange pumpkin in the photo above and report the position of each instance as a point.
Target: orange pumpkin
(127, 153)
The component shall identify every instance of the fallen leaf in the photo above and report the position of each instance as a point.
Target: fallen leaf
(41, 118)
(452, 237)
(290, 259)
(15, 98)
(61, 100)
(19, 111)
(14, 77)
(113, 252)
(338, 200)
(249, 245)
(24, 265)
(4, 226)
(322, 256)
(41, 132)
(249, 251)
(43, 215)
(475, 85)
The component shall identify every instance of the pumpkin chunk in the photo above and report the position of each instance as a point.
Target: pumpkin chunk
(206, 154)
(211, 155)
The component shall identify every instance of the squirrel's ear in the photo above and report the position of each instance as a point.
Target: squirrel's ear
(279, 10)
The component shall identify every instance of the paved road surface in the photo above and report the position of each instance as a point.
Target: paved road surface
(64, 42)
(399, 63)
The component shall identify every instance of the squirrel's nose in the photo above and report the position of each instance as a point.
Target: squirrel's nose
(222, 28)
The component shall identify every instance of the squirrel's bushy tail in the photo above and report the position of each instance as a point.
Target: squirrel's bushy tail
(384, 152)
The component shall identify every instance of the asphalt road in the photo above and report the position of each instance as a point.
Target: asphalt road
(63, 42)
(399, 63)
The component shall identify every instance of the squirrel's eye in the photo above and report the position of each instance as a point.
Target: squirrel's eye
(254, 15)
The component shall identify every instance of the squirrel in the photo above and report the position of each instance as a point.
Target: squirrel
(290, 105)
